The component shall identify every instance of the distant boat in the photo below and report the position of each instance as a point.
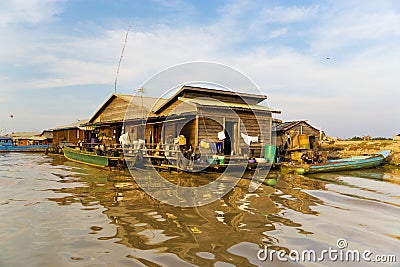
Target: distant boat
(7, 145)
(353, 163)
(92, 158)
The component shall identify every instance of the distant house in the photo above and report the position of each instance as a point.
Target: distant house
(29, 138)
(396, 137)
(48, 134)
(69, 134)
(366, 138)
(296, 134)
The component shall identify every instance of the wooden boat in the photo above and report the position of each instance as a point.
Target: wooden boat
(353, 163)
(92, 158)
(7, 145)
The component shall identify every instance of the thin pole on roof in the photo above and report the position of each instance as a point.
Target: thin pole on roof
(140, 91)
(120, 59)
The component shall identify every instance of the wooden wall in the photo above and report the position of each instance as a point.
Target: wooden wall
(115, 111)
(294, 131)
(208, 122)
(68, 135)
(252, 124)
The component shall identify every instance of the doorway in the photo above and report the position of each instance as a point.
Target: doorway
(230, 137)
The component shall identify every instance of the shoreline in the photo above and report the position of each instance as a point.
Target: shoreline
(344, 149)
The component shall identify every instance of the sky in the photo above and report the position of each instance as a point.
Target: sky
(333, 63)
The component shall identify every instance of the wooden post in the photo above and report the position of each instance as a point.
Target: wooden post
(196, 139)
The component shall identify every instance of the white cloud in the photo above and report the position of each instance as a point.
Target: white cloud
(285, 15)
(355, 27)
(28, 11)
(356, 85)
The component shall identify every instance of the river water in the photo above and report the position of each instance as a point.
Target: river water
(58, 213)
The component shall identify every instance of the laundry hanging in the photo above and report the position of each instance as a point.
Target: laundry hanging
(221, 135)
(248, 139)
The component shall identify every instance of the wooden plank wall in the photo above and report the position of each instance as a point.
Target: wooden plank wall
(256, 124)
(115, 111)
(177, 107)
(253, 124)
(68, 135)
(209, 126)
(307, 129)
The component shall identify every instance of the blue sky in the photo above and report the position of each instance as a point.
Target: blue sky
(59, 58)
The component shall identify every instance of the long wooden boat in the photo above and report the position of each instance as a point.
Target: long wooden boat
(7, 145)
(353, 163)
(91, 157)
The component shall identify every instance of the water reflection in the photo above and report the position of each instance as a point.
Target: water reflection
(58, 212)
(201, 235)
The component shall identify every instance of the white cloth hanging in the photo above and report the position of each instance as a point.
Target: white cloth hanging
(221, 135)
(248, 139)
(124, 139)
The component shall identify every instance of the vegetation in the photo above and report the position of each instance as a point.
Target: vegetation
(366, 138)
(381, 138)
(355, 138)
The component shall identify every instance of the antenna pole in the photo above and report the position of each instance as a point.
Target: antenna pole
(120, 59)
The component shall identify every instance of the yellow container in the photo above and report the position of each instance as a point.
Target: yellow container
(304, 141)
(296, 156)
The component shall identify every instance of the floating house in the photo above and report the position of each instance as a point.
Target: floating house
(30, 138)
(293, 135)
(237, 120)
(48, 134)
(69, 134)
(25, 142)
(107, 122)
(194, 121)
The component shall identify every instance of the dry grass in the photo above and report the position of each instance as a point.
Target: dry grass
(343, 149)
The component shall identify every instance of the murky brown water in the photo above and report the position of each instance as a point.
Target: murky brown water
(58, 213)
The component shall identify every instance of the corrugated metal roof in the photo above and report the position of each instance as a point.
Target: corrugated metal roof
(149, 104)
(290, 124)
(209, 91)
(216, 103)
(71, 125)
(23, 135)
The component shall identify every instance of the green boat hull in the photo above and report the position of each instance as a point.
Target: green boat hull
(354, 163)
(90, 158)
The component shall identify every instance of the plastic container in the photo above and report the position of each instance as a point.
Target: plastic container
(94, 140)
(212, 161)
(221, 159)
(261, 160)
(304, 141)
(269, 153)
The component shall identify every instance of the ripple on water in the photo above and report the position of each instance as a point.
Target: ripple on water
(61, 213)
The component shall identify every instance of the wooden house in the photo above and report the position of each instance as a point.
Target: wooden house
(204, 124)
(29, 138)
(108, 121)
(297, 134)
(69, 134)
(47, 135)
(198, 116)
